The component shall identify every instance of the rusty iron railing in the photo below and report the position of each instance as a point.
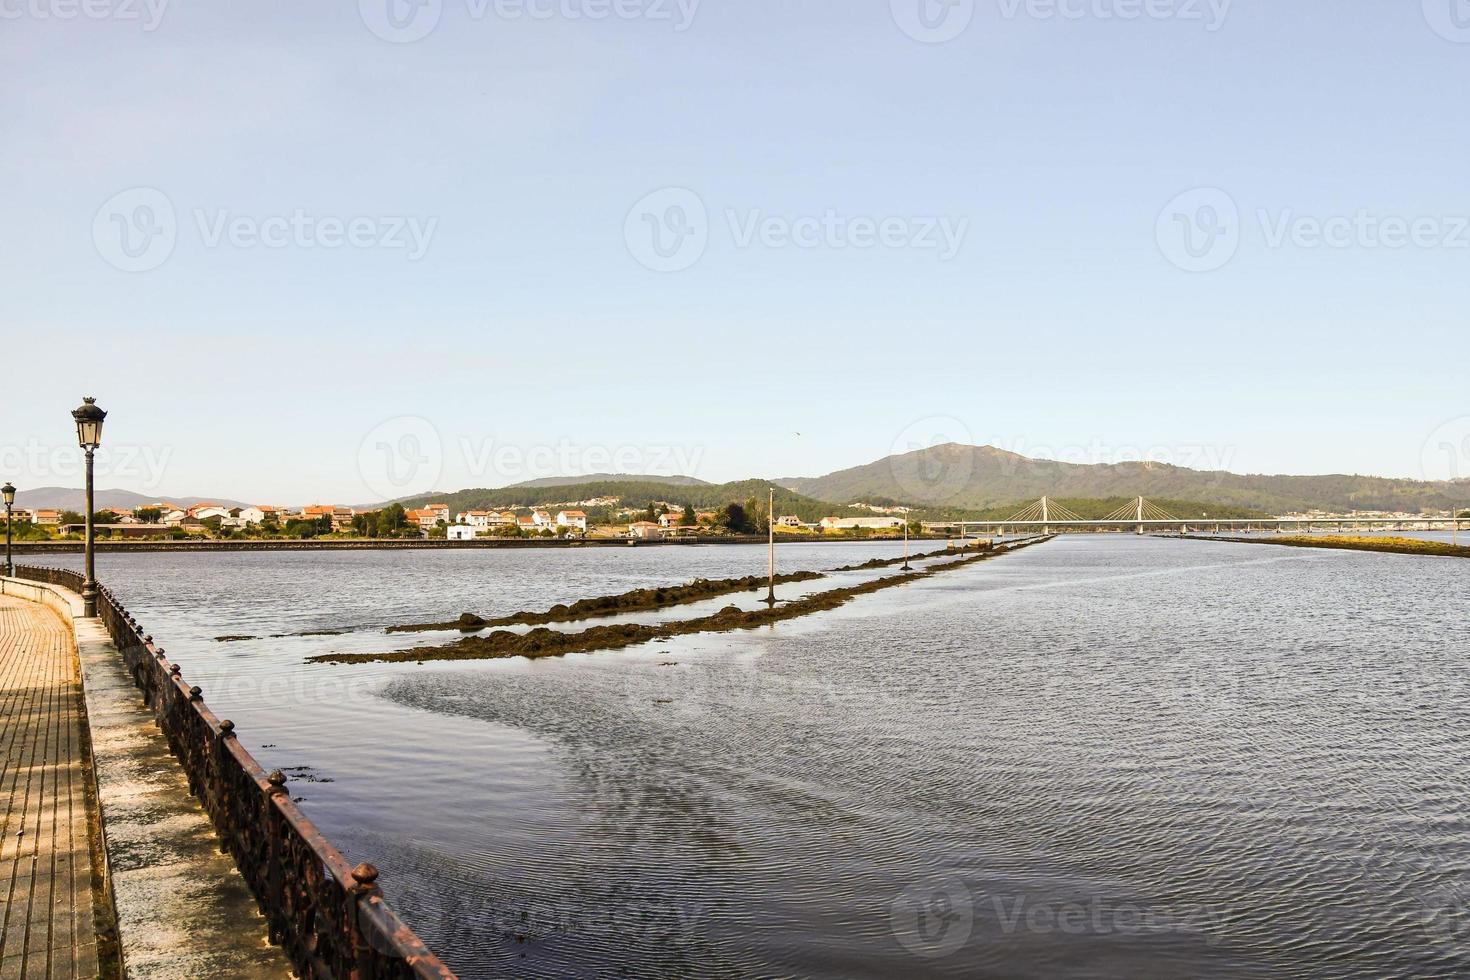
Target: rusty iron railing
(329, 917)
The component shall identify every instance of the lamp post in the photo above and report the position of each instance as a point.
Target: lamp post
(89, 436)
(906, 567)
(8, 492)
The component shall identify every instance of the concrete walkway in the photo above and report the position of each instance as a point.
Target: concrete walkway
(48, 890)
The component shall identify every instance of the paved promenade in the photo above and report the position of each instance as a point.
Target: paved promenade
(46, 877)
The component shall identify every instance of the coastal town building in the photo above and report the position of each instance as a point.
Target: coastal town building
(645, 530)
(789, 520)
(851, 523)
(571, 518)
(461, 532)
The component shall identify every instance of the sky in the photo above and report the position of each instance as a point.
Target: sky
(345, 251)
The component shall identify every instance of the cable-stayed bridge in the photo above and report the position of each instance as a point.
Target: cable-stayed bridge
(1142, 517)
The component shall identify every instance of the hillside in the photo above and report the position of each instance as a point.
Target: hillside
(707, 496)
(571, 481)
(67, 498)
(633, 493)
(983, 477)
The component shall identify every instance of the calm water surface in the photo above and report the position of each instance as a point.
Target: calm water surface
(1104, 756)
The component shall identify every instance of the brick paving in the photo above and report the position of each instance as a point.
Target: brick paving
(47, 928)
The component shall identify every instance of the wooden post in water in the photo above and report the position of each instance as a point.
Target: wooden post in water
(771, 548)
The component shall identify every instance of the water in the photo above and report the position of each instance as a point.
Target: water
(1101, 757)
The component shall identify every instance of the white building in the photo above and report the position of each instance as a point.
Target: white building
(571, 518)
(645, 529)
(461, 532)
(873, 523)
(252, 515)
(789, 520)
(540, 518)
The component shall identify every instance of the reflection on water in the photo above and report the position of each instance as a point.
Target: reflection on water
(1101, 757)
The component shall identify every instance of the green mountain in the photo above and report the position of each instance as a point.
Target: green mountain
(986, 478)
(633, 493)
(575, 481)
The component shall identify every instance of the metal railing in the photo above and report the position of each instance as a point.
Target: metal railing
(328, 917)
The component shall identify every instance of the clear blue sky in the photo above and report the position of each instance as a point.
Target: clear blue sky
(519, 147)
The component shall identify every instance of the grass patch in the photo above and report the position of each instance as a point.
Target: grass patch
(1350, 542)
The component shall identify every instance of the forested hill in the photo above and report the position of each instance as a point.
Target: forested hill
(983, 477)
(703, 496)
(752, 494)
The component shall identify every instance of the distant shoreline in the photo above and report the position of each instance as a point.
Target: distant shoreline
(409, 544)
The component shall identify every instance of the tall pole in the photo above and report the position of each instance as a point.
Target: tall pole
(1140, 513)
(89, 584)
(1045, 517)
(906, 542)
(771, 547)
(9, 565)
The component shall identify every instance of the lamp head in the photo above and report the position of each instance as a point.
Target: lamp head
(89, 423)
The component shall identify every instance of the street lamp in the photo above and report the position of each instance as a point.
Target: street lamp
(8, 491)
(89, 436)
(906, 567)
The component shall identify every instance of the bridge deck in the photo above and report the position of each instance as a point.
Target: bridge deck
(47, 926)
